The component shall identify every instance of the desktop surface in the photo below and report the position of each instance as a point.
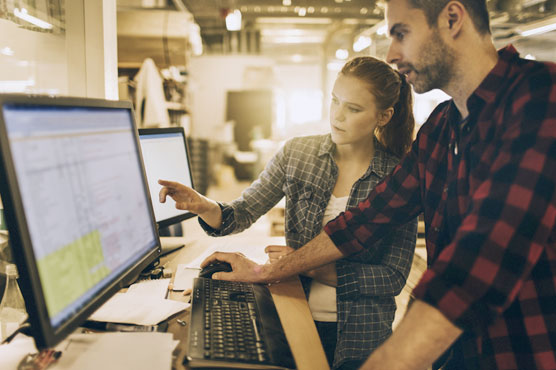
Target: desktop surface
(288, 296)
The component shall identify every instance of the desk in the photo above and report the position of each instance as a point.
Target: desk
(288, 296)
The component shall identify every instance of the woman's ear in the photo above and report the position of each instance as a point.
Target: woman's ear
(385, 116)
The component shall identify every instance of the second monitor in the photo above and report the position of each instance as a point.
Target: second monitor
(166, 156)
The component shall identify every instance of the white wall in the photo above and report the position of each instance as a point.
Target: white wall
(81, 62)
(211, 76)
(38, 62)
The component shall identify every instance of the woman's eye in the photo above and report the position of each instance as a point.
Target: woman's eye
(354, 110)
(400, 36)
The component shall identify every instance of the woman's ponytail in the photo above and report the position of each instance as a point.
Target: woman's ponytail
(397, 135)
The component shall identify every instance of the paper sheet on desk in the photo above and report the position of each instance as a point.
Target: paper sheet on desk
(151, 288)
(183, 279)
(135, 351)
(252, 248)
(12, 353)
(141, 305)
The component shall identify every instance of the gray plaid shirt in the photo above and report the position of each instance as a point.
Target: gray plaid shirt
(304, 171)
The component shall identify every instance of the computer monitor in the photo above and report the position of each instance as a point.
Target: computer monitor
(77, 206)
(166, 156)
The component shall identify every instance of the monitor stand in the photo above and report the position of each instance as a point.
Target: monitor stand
(171, 238)
(170, 243)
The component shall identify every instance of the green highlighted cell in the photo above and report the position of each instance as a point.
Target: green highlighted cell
(70, 271)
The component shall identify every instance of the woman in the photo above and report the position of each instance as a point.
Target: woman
(352, 300)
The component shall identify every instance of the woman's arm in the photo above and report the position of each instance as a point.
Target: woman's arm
(256, 200)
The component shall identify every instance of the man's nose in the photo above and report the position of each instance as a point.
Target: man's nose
(393, 55)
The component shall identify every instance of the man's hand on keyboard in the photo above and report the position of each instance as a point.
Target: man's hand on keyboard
(243, 269)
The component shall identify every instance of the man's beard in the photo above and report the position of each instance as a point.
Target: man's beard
(435, 66)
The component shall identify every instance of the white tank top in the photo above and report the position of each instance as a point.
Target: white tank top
(322, 298)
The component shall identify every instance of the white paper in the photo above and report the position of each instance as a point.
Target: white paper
(152, 288)
(12, 353)
(137, 351)
(183, 279)
(129, 308)
(252, 248)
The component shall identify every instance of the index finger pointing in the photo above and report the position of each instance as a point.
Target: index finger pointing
(170, 184)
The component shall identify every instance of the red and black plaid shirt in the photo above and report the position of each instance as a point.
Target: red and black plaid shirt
(487, 188)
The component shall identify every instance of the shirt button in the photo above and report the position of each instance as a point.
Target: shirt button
(445, 189)
(436, 229)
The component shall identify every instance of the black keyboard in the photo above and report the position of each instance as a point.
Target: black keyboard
(235, 325)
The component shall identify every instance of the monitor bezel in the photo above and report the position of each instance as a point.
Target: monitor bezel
(46, 336)
(173, 130)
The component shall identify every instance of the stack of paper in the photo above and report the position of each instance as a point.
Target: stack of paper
(116, 350)
(143, 304)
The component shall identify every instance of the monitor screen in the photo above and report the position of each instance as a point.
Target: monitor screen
(165, 156)
(77, 206)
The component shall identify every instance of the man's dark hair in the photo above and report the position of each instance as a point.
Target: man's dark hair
(477, 10)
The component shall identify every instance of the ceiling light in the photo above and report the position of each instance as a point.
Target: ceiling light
(297, 58)
(324, 10)
(538, 27)
(361, 43)
(7, 51)
(286, 2)
(233, 20)
(22, 14)
(302, 12)
(342, 54)
(382, 29)
(363, 11)
(311, 10)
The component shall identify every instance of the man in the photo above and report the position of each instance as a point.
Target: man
(483, 171)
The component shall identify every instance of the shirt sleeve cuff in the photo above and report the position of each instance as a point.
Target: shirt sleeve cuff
(341, 236)
(458, 306)
(228, 222)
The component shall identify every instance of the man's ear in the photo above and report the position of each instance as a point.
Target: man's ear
(385, 116)
(451, 18)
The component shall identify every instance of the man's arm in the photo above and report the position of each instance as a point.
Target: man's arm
(318, 252)
(422, 336)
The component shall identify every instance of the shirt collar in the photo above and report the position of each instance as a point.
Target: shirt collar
(326, 146)
(490, 87)
(379, 163)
